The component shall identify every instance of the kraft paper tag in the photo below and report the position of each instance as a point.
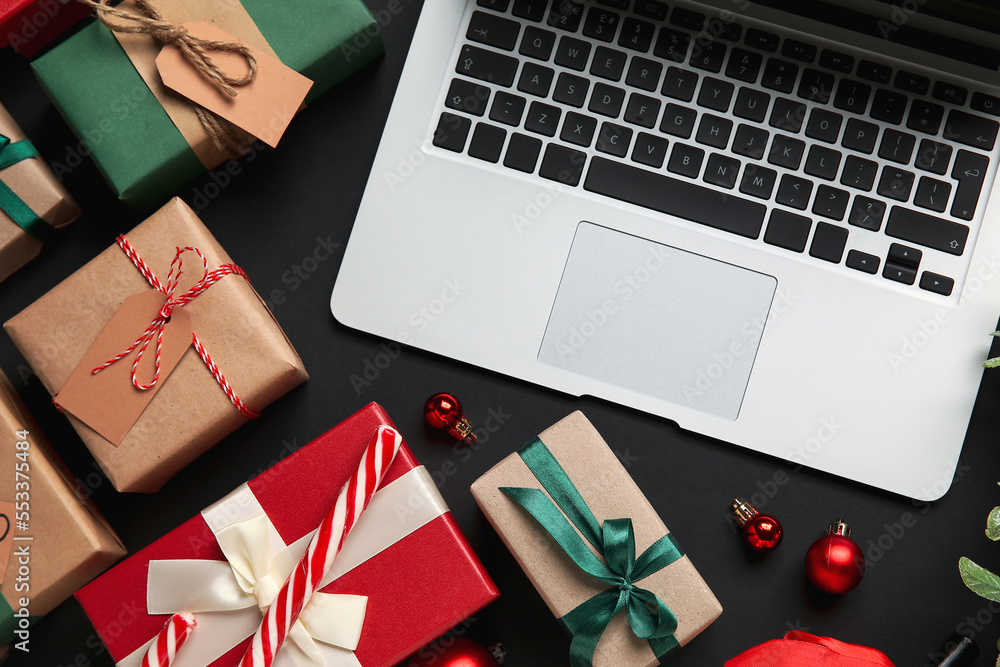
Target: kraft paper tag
(264, 107)
(108, 402)
(6, 536)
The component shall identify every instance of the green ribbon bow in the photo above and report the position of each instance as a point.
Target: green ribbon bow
(648, 616)
(10, 203)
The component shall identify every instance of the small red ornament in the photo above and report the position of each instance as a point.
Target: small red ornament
(443, 411)
(460, 652)
(834, 562)
(761, 532)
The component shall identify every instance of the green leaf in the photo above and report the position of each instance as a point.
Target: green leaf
(980, 581)
(992, 363)
(993, 524)
(998, 658)
(995, 333)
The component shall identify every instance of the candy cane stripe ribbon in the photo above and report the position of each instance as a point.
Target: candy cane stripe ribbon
(162, 318)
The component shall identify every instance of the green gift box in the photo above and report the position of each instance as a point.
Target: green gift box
(135, 143)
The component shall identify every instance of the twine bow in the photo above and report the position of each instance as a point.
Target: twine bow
(194, 49)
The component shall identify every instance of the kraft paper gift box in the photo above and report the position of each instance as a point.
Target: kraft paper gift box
(33, 203)
(145, 138)
(406, 555)
(584, 476)
(52, 538)
(189, 411)
(29, 25)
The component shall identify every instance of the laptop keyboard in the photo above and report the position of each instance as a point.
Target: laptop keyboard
(833, 156)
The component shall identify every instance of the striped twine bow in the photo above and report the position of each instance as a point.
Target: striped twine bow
(162, 318)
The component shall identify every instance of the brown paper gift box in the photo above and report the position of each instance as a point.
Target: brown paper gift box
(610, 493)
(70, 542)
(190, 413)
(33, 181)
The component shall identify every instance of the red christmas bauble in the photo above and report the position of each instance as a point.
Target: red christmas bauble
(460, 652)
(835, 563)
(444, 411)
(761, 532)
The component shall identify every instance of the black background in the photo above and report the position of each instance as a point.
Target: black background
(269, 218)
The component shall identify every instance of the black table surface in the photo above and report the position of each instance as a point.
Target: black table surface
(286, 203)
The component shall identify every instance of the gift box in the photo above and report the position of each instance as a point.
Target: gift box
(248, 361)
(405, 555)
(29, 25)
(801, 648)
(625, 559)
(146, 139)
(33, 203)
(52, 538)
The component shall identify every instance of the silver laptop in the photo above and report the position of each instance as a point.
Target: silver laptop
(767, 221)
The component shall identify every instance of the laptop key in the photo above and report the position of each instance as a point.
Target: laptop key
(722, 170)
(507, 108)
(537, 43)
(643, 73)
(758, 181)
(852, 96)
(467, 96)
(824, 125)
(675, 197)
(578, 129)
(828, 242)
(495, 5)
(601, 24)
(715, 94)
(862, 261)
(927, 230)
(901, 273)
(678, 120)
(651, 9)
(687, 19)
(672, 44)
(896, 146)
(608, 63)
(933, 157)
(838, 62)
(912, 83)
(895, 183)
(708, 57)
(901, 254)
(985, 103)
(925, 116)
(642, 110)
(451, 132)
(860, 136)
(487, 142)
(486, 65)
(815, 85)
(565, 15)
(779, 75)
(522, 152)
(535, 79)
(859, 173)
(493, 30)
(686, 160)
(649, 150)
(971, 130)
(744, 65)
(970, 172)
(797, 50)
(950, 92)
(750, 141)
(731, 31)
(787, 230)
(823, 163)
(571, 90)
(831, 203)
(786, 152)
(679, 83)
(751, 104)
(543, 119)
(759, 39)
(714, 131)
(606, 100)
(888, 106)
(614, 139)
(562, 164)
(787, 115)
(637, 35)
(875, 72)
(934, 282)
(572, 53)
(932, 194)
(794, 192)
(616, 4)
(533, 10)
(867, 214)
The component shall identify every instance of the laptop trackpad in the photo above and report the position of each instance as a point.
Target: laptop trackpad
(657, 320)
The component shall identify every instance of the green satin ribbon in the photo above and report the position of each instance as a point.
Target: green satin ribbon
(10, 203)
(648, 616)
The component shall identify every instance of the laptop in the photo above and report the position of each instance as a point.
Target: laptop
(769, 221)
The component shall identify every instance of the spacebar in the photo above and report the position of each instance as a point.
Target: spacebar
(669, 195)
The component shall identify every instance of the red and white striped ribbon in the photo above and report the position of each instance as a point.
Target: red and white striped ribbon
(323, 548)
(159, 323)
(173, 635)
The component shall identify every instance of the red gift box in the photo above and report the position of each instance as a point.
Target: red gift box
(417, 587)
(29, 25)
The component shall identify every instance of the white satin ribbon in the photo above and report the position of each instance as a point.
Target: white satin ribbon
(227, 598)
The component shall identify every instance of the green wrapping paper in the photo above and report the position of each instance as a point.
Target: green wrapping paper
(140, 152)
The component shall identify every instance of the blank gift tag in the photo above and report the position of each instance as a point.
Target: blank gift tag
(264, 107)
(108, 402)
(7, 532)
